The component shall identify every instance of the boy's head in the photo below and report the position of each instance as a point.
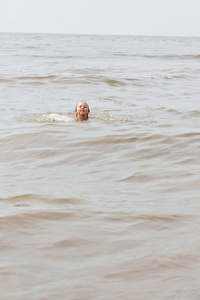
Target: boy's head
(82, 110)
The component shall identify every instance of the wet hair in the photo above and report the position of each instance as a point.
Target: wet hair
(85, 103)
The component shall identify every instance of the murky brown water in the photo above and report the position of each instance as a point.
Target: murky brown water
(105, 209)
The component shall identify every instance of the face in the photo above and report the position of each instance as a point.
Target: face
(82, 109)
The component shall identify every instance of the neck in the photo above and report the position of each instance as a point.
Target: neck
(82, 118)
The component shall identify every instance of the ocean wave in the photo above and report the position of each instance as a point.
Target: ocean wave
(46, 118)
(97, 80)
(161, 56)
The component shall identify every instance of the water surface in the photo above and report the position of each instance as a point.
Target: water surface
(108, 208)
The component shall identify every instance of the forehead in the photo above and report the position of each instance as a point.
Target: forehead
(82, 103)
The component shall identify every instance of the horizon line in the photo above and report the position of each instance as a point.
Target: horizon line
(102, 34)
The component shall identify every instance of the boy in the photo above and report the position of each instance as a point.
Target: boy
(82, 111)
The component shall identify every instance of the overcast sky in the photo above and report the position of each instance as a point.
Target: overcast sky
(129, 17)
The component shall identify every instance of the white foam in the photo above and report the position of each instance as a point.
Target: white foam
(53, 117)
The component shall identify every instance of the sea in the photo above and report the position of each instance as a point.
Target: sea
(108, 208)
